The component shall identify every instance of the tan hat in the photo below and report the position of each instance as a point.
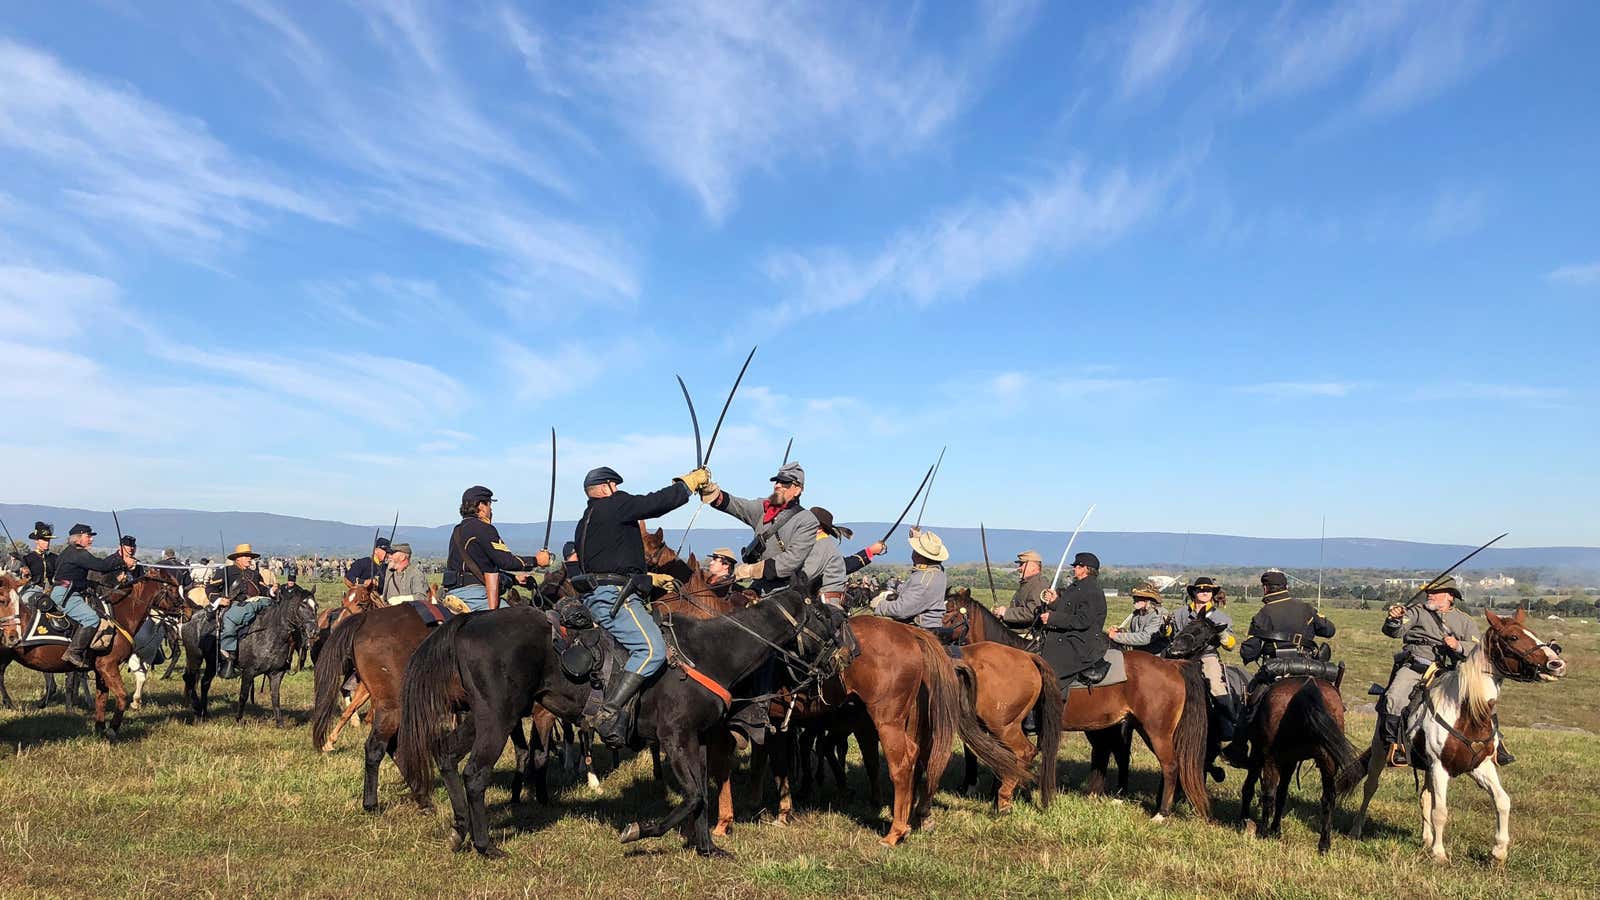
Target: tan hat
(1445, 585)
(726, 553)
(1147, 591)
(1030, 556)
(243, 550)
(928, 545)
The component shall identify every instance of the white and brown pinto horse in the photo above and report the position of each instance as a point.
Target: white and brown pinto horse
(1454, 732)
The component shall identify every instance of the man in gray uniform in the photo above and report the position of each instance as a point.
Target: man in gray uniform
(920, 598)
(1026, 603)
(1141, 630)
(785, 531)
(1434, 633)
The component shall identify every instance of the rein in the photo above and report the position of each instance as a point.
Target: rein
(1527, 669)
(1471, 743)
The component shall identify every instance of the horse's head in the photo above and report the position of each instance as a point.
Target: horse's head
(358, 599)
(957, 607)
(1517, 653)
(168, 596)
(1194, 638)
(10, 609)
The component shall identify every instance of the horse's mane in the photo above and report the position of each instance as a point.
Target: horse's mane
(1464, 686)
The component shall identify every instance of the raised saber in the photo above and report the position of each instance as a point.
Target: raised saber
(1062, 564)
(703, 461)
(786, 450)
(699, 455)
(936, 464)
(983, 535)
(550, 513)
(1458, 563)
(912, 502)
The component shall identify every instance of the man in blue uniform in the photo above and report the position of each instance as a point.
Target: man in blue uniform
(72, 579)
(369, 570)
(615, 583)
(478, 559)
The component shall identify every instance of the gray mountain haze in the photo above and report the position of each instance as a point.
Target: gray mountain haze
(271, 533)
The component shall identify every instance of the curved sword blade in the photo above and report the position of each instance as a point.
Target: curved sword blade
(786, 453)
(550, 513)
(983, 535)
(1074, 539)
(699, 455)
(717, 428)
(910, 503)
(936, 464)
(1457, 565)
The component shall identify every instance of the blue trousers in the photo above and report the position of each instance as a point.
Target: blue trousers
(633, 628)
(76, 608)
(475, 596)
(235, 618)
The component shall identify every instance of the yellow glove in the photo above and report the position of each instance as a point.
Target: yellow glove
(1229, 641)
(697, 479)
(665, 582)
(747, 570)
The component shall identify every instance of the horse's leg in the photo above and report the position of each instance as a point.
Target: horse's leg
(5, 696)
(246, 682)
(1487, 775)
(375, 749)
(449, 756)
(276, 680)
(1247, 795)
(1011, 734)
(100, 697)
(969, 775)
(519, 745)
(138, 685)
(719, 767)
(1425, 800)
(1270, 776)
(1281, 803)
(1167, 755)
(1100, 751)
(1120, 751)
(1329, 801)
(1375, 767)
(901, 750)
(356, 699)
(1439, 783)
(686, 758)
(782, 755)
(867, 743)
(486, 748)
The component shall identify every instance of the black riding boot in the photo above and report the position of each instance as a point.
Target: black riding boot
(1227, 716)
(1237, 753)
(78, 653)
(609, 720)
(1391, 726)
(1502, 756)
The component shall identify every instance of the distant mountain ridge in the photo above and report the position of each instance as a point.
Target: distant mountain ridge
(272, 533)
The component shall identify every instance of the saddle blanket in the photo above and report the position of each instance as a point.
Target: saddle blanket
(47, 629)
(1117, 674)
(432, 615)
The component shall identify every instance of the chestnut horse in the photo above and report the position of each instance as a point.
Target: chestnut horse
(1457, 736)
(154, 588)
(1006, 683)
(1164, 699)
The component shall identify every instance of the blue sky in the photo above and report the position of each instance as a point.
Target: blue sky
(1224, 268)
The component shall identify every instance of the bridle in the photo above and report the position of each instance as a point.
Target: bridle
(1501, 649)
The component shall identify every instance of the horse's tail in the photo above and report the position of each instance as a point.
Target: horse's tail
(985, 746)
(1310, 708)
(430, 688)
(1049, 709)
(944, 705)
(1189, 740)
(335, 665)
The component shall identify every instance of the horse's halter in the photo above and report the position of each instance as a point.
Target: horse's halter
(959, 621)
(11, 623)
(1526, 669)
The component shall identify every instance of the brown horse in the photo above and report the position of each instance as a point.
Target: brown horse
(375, 645)
(1297, 719)
(1164, 699)
(154, 588)
(1006, 683)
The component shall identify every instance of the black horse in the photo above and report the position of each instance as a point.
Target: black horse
(200, 661)
(267, 647)
(488, 669)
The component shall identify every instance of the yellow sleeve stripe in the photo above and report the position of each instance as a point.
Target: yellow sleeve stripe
(499, 546)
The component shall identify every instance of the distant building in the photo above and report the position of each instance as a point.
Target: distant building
(1497, 581)
(1405, 582)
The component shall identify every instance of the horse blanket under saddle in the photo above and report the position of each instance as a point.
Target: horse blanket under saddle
(1117, 674)
(54, 627)
(431, 614)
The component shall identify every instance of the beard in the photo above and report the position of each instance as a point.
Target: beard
(1433, 605)
(775, 500)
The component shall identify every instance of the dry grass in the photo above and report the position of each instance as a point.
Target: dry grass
(247, 810)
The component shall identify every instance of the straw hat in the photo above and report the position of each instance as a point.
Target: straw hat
(928, 546)
(243, 550)
(1147, 591)
(1445, 585)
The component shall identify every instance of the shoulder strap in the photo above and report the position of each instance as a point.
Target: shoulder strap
(466, 559)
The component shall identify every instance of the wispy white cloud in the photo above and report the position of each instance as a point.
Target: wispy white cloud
(1301, 388)
(44, 304)
(121, 158)
(1577, 275)
(533, 376)
(962, 248)
(1157, 41)
(712, 90)
(1456, 210)
(1446, 44)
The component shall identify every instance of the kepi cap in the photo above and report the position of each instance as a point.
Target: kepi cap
(601, 476)
(791, 473)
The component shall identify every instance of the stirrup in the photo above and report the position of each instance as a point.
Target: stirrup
(1397, 757)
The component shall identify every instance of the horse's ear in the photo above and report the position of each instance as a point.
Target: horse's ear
(693, 563)
(1494, 620)
(1521, 616)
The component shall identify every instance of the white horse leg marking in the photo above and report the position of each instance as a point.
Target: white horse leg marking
(136, 666)
(1439, 782)
(1487, 775)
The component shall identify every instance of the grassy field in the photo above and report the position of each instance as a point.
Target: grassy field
(246, 810)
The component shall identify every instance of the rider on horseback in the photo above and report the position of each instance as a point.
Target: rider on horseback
(1023, 610)
(1436, 634)
(1075, 642)
(1206, 599)
(240, 588)
(72, 579)
(920, 598)
(616, 586)
(39, 562)
(1283, 626)
(478, 558)
(1142, 628)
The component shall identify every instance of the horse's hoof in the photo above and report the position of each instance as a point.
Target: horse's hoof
(490, 851)
(369, 807)
(594, 782)
(458, 842)
(328, 747)
(1249, 829)
(712, 851)
(1158, 818)
(629, 834)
